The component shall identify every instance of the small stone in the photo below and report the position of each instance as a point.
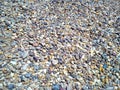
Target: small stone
(105, 66)
(35, 44)
(11, 86)
(45, 23)
(27, 75)
(25, 67)
(54, 62)
(56, 87)
(104, 56)
(13, 62)
(31, 34)
(35, 58)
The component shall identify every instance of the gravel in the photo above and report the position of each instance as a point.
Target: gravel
(59, 45)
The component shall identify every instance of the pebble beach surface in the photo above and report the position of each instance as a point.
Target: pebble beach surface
(59, 44)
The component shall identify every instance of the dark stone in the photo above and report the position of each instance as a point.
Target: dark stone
(35, 59)
(41, 18)
(45, 23)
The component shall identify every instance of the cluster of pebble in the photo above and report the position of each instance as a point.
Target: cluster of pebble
(59, 45)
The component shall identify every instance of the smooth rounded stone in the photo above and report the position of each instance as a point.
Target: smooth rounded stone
(54, 62)
(35, 44)
(13, 62)
(11, 86)
(24, 67)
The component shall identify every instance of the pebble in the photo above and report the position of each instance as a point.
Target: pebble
(27, 75)
(104, 66)
(56, 87)
(35, 58)
(54, 62)
(24, 67)
(11, 86)
(13, 62)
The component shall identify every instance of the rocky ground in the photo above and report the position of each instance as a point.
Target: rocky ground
(59, 44)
